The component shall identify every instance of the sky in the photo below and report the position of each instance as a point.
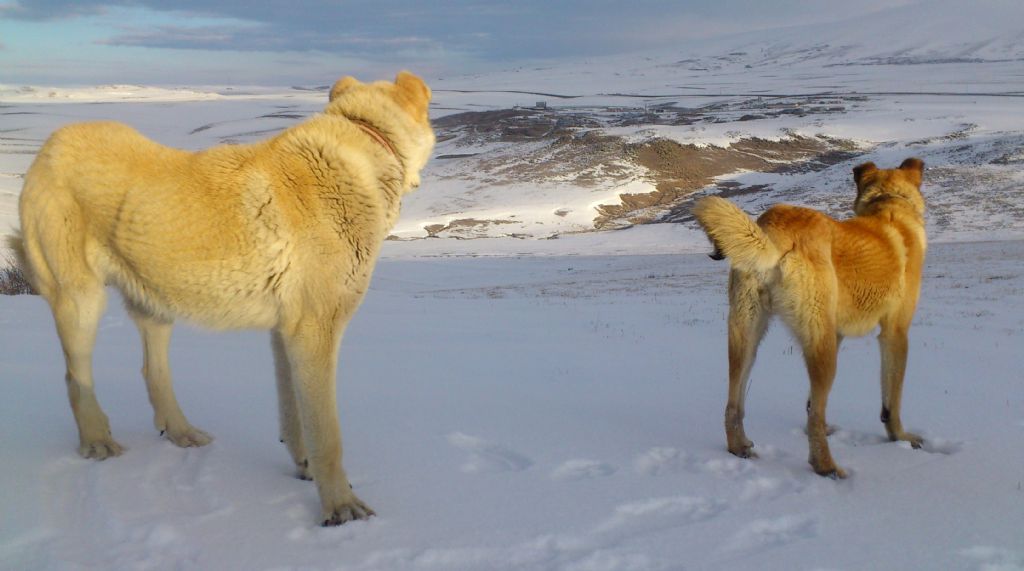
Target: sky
(309, 42)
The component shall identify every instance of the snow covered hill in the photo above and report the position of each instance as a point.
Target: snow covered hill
(934, 32)
(924, 80)
(562, 148)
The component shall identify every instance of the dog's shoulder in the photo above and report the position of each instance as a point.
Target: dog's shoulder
(321, 129)
(890, 218)
(322, 142)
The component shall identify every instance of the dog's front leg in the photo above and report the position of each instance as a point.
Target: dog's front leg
(311, 346)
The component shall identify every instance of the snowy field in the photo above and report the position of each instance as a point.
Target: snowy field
(541, 413)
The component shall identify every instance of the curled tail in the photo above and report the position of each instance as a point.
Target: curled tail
(736, 235)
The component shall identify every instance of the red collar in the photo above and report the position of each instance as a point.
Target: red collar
(375, 135)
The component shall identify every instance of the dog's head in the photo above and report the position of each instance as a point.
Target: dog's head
(877, 187)
(408, 91)
(399, 109)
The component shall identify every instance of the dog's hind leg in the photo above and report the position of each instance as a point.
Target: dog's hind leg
(291, 426)
(167, 415)
(57, 251)
(748, 321)
(820, 351)
(893, 345)
(311, 345)
(77, 310)
(830, 429)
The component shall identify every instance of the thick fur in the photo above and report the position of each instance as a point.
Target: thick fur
(827, 279)
(282, 234)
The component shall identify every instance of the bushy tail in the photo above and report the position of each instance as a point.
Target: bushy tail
(736, 235)
(17, 246)
(14, 273)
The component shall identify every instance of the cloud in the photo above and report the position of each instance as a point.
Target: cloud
(488, 30)
(261, 37)
(47, 10)
(453, 36)
(176, 36)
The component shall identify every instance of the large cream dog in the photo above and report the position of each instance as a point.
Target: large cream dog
(827, 279)
(281, 234)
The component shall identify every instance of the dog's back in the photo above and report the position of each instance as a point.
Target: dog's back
(870, 260)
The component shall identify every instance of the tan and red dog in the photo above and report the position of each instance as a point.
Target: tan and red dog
(826, 279)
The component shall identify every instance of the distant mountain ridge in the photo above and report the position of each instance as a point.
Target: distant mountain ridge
(940, 31)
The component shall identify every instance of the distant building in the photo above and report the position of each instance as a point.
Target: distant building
(541, 105)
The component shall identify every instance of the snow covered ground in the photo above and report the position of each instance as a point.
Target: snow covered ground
(540, 413)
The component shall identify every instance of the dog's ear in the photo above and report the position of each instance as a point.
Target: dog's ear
(913, 163)
(413, 87)
(342, 85)
(913, 169)
(859, 172)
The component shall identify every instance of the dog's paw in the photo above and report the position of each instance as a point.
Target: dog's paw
(349, 510)
(833, 473)
(302, 471)
(915, 441)
(830, 429)
(188, 437)
(744, 450)
(101, 449)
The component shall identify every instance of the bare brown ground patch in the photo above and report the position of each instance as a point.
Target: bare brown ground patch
(559, 146)
(680, 170)
(463, 227)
